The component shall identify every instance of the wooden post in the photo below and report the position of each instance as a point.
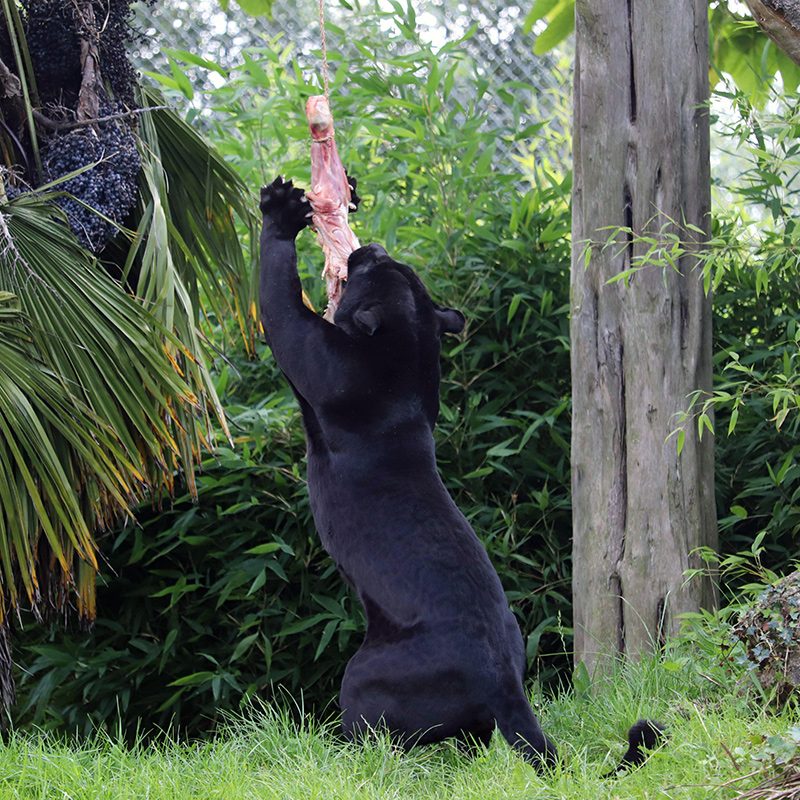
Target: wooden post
(641, 158)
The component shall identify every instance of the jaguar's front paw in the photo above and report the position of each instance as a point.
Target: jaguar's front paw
(285, 208)
(355, 200)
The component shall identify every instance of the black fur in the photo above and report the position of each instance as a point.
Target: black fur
(443, 654)
(644, 735)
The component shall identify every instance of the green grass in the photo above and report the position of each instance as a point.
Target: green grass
(714, 736)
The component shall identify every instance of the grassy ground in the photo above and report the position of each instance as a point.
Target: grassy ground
(714, 736)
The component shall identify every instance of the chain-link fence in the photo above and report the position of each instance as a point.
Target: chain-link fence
(499, 47)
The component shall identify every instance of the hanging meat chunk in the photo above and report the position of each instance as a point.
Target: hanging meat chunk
(331, 199)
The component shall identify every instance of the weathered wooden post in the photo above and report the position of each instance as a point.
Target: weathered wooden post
(641, 159)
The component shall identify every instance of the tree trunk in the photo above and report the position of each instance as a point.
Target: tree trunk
(91, 83)
(780, 20)
(641, 159)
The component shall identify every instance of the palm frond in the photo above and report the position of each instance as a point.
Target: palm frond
(105, 395)
(63, 472)
(88, 393)
(206, 198)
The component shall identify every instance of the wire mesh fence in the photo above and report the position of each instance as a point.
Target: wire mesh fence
(502, 52)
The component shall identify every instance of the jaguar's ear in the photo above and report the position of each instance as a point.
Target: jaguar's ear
(367, 320)
(450, 320)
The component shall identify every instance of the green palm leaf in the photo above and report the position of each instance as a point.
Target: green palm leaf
(105, 395)
(135, 366)
(63, 472)
(206, 198)
(91, 405)
(188, 250)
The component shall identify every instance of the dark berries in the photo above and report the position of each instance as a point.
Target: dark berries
(108, 187)
(54, 47)
(100, 198)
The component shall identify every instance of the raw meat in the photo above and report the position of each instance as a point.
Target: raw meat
(330, 199)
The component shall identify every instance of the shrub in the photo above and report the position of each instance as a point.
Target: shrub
(204, 604)
(756, 273)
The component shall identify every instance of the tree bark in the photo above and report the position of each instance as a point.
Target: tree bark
(91, 83)
(641, 159)
(780, 20)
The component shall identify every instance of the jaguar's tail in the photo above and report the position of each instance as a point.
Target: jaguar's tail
(644, 735)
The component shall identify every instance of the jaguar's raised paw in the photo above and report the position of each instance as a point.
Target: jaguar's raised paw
(355, 199)
(285, 208)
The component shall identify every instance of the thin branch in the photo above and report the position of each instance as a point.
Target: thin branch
(780, 20)
(731, 757)
(53, 125)
(88, 96)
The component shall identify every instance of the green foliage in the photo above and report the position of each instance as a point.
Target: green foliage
(740, 576)
(738, 47)
(207, 602)
(65, 474)
(769, 632)
(755, 272)
(560, 18)
(196, 221)
(104, 393)
(255, 8)
(47, 455)
(206, 605)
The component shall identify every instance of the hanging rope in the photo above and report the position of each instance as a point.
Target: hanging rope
(324, 50)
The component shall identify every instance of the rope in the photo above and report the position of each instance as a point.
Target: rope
(324, 50)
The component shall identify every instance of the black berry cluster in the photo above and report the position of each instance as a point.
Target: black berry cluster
(57, 32)
(51, 35)
(13, 191)
(54, 30)
(117, 36)
(108, 187)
